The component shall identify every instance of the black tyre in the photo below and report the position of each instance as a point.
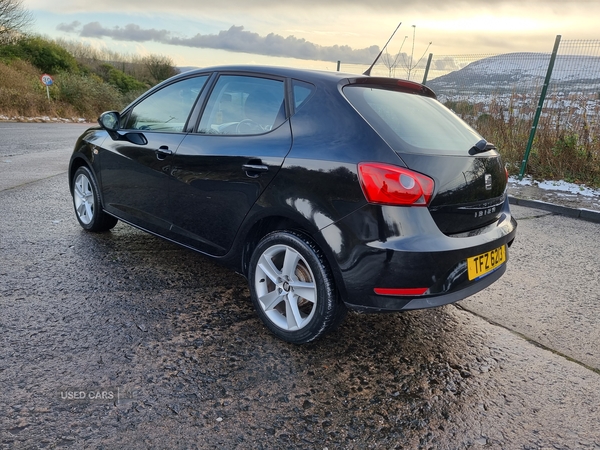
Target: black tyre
(292, 288)
(86, 201)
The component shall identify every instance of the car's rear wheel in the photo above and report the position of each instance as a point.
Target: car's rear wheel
(292, 288)
(86, 201)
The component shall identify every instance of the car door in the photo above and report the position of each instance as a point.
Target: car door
(135, 163)
(221, 169)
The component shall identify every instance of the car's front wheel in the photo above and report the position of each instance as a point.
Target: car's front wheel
(86, 201)
(292, 288)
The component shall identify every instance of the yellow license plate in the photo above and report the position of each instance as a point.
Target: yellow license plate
(482, 264)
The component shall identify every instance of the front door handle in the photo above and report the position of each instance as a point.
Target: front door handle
(254, 170)
(162, 152)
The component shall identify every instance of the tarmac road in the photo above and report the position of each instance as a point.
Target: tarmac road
(123, 340)
(551, 294)
(34, 151)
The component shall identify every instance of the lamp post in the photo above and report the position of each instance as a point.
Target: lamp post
(412, 52)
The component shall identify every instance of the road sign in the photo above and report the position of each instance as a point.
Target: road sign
(47, 80)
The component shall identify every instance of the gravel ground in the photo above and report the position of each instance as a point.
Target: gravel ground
(173, 343)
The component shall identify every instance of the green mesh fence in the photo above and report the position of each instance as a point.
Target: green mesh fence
(573, 100)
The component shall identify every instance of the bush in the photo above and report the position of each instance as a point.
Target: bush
(564, 154)
(461, 108)
(123, 82)
(45, 55)
(21, 92)
(159, 68)
(88, 95)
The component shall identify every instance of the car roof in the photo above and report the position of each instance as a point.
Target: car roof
(311, 75)
(289, 72)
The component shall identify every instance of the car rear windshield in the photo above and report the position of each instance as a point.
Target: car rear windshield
(412, 123)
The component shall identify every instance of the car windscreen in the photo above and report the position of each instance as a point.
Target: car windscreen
(412, 123)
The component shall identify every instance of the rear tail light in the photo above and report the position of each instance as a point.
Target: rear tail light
(391, 185)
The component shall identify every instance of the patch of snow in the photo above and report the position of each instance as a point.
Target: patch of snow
(526, 181)
(561, 185)
(569, 187)
(42, 119)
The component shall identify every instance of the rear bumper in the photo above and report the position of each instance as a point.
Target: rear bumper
(383, 303)
(402, 248)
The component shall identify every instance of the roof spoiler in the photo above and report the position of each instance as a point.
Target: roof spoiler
(395, 84)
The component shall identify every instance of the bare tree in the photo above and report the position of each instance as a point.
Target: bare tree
(159, 67)
(14, 18)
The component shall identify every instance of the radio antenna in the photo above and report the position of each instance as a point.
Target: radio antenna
(368, 71)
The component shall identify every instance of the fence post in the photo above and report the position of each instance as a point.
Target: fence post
(427, 68)
(338, 66)
(538, 111)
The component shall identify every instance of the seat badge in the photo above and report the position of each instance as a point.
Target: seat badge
(488, 182)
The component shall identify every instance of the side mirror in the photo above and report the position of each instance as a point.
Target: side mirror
(110, 120)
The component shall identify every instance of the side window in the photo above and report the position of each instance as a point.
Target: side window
(167, 109)
(302, 92)
(243, 105)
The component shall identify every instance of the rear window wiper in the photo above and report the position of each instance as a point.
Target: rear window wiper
(481, 146)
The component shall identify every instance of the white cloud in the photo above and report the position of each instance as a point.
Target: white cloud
(459, 27)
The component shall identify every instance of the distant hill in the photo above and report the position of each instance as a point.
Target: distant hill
(520, 72)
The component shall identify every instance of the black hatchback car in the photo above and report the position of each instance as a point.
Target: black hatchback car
(328, 191)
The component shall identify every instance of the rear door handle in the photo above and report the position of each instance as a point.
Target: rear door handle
(162, 152)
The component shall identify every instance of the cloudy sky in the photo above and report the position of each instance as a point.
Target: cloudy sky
(313, 33)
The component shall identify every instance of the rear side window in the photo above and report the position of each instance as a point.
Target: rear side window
(412, 123)
(302, 92)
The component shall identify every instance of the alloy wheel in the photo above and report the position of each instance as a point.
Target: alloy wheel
(83, 196)
(286, 287)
